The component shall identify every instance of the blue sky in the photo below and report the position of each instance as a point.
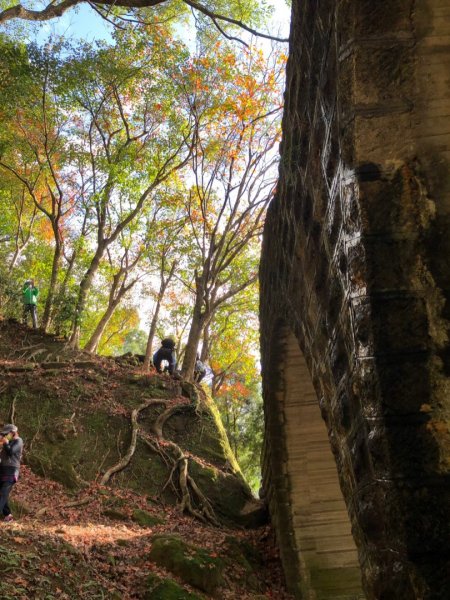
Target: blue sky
(80, 23)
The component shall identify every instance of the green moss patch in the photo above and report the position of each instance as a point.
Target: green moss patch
(193, 565)
(249, 559)
(228, 494)
(113, 501)
(114, 514)
(146, 519)
(167, 589)
(202, 434)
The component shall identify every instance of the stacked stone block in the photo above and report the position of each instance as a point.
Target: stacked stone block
(356, 264)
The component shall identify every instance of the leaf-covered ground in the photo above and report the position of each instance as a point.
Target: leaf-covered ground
(91, 546)
(99, 541)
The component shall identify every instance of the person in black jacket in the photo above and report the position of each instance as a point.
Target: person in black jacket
(10, 456)
(167, 353)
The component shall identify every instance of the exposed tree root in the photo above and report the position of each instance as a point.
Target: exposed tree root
(34, 354)
(73, 504)
(12, 410)
(207, 509)
(25, 348)
(158, 425)
(192, 500)
(134, 425)
(201, 508)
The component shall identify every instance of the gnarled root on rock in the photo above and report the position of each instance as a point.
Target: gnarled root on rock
(134, 431)
(192, 499)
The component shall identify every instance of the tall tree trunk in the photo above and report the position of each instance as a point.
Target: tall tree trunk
(52, 286)
(85, 287)
(206, 346)
(151, 334)
(162, 290)
(199, 319)
(95, 338)
(118, 290)
(235, 439)
(17, 252)
(21, 245)
(62, 293)
(71, 264)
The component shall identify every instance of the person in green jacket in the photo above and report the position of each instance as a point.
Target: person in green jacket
(29, 296)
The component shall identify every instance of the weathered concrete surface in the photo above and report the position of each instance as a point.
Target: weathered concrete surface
(355, 284)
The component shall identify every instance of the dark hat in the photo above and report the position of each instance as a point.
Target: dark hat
(10, 428)
(168, 343)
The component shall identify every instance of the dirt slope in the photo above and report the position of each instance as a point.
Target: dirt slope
(167, 526)
(96, 544)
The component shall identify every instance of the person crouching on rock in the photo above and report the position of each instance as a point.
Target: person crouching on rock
(167, 353)
(10, 456)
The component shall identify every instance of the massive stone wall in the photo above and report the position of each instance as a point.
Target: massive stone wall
(355, 285)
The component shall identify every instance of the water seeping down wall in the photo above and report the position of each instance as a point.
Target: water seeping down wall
(355, 286)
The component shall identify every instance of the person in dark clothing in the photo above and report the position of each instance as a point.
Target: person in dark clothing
(10, 456)
(199, 370)
(29, 297)
(167, 353)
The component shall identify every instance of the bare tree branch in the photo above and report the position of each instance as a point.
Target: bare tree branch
(53, 10)
(49, 12)
(215, 17)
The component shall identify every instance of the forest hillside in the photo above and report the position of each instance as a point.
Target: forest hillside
(137, 163)
(129, 488)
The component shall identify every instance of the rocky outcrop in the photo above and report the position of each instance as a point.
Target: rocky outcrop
(110, 422)
(355, 280)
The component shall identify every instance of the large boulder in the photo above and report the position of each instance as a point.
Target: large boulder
(194, 565)
(76, 424)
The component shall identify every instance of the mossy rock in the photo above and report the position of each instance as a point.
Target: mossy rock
(250, 560)
(192, 564)
(97, 438)
(230, 496)
(146, 474)
(202, 434)
(114, 514)
(243, 548)
(166, 589)
(54, 466)
(146, 519)
(114, 502)
(253, 514)
(62, 459)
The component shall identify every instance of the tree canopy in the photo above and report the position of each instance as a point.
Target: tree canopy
(234, 13)
(135, 176)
